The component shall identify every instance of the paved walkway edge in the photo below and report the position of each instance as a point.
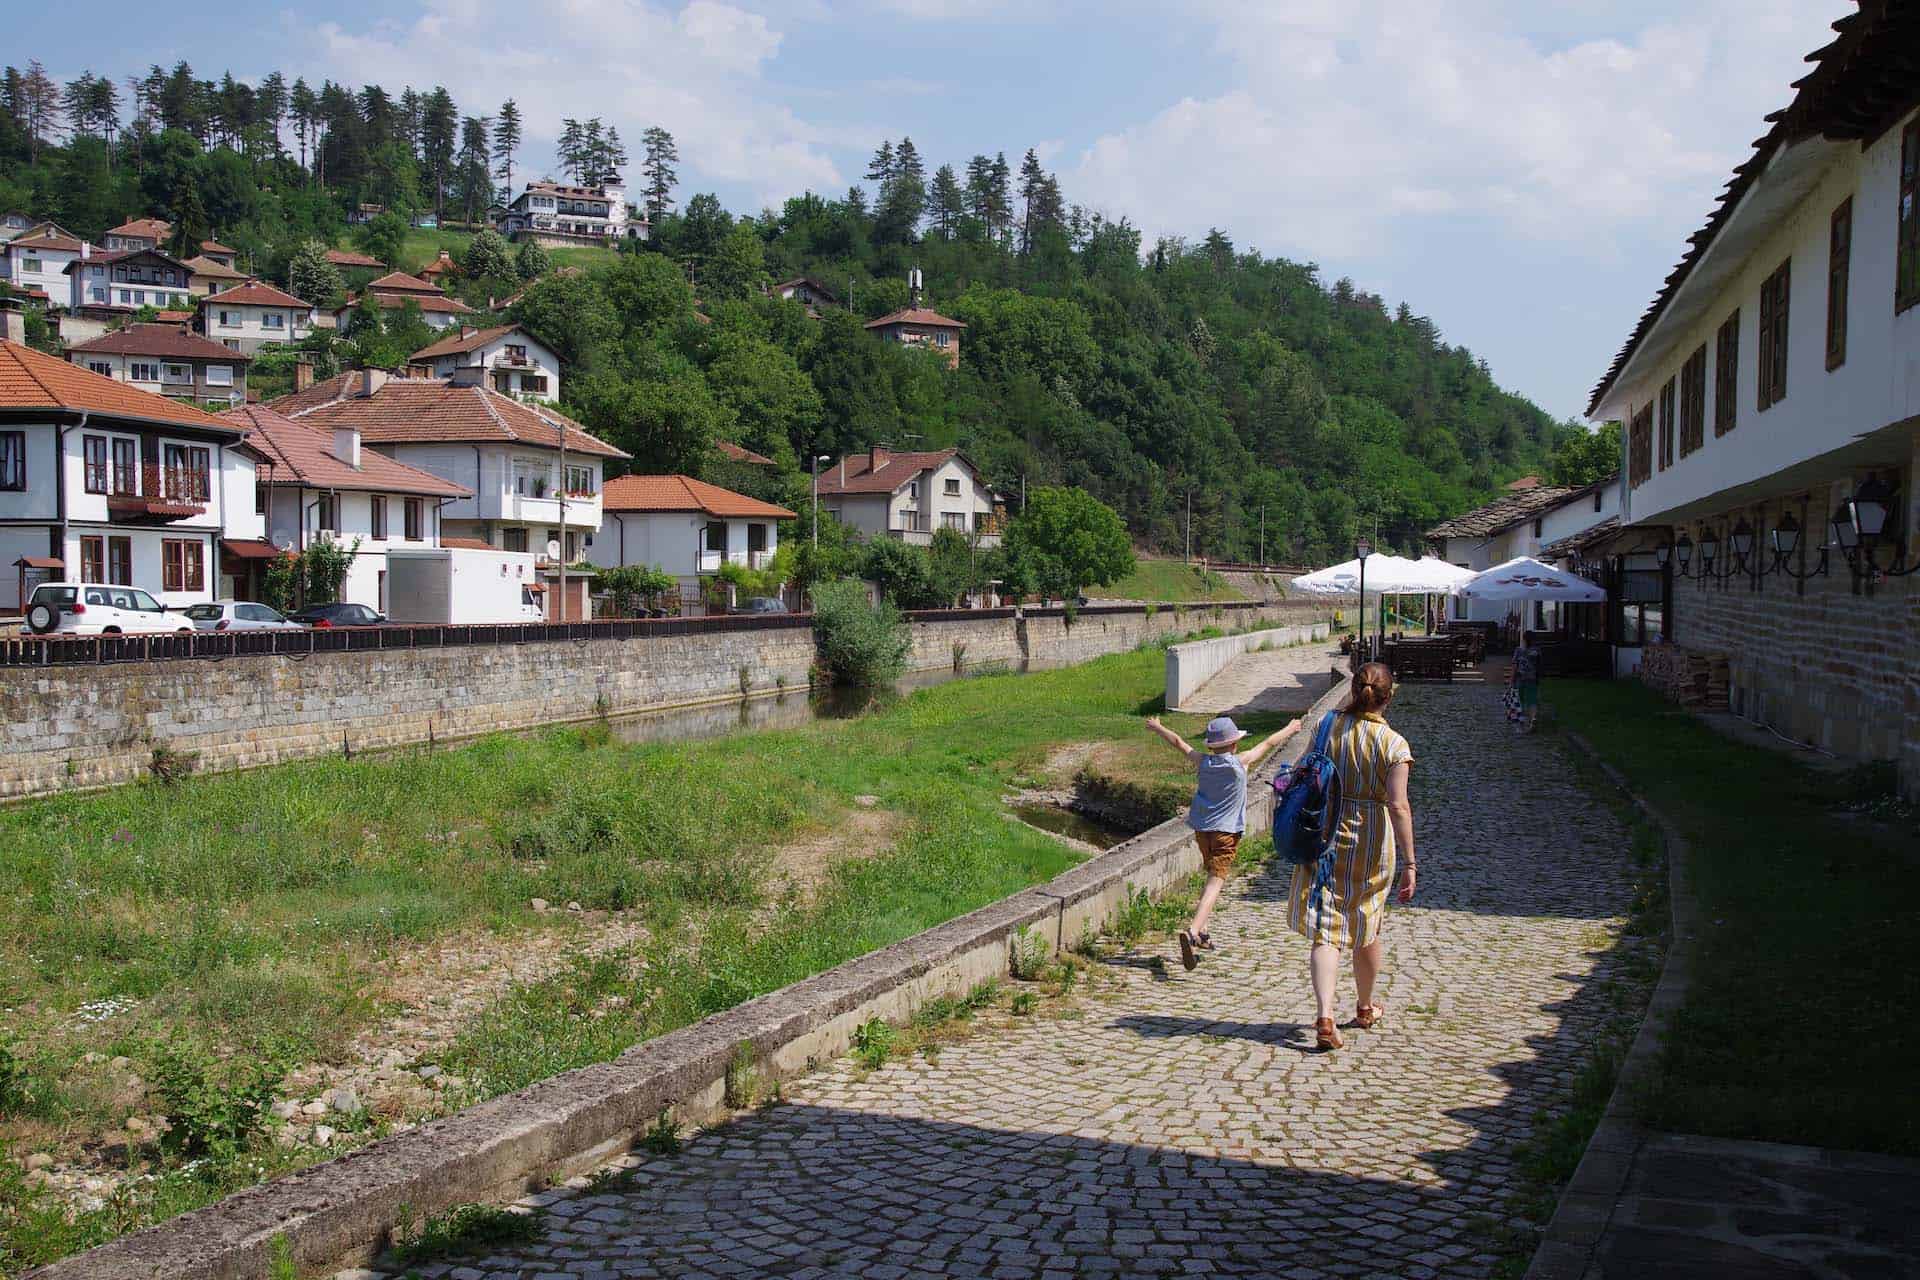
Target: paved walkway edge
(1587, 1203)
(341, 1213)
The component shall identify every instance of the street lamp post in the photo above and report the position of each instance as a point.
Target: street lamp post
(1365, 549)
(817, 460)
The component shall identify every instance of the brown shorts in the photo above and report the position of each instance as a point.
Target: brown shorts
(1219, 850)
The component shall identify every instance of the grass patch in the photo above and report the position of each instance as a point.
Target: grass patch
(462, 1230)
(1169, 580)
(1799, 899)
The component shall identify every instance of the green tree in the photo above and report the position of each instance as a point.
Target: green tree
(384, 237)
(570, 314)
(1069, 540)
(737, 267)
(531, 260)
(506, 141)
(311, 278)
(488, 257)
(661, 155)
(1587, 456)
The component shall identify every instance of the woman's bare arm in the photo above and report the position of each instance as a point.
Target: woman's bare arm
(1400, 814)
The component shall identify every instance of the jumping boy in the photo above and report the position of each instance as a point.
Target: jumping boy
(1218, 814)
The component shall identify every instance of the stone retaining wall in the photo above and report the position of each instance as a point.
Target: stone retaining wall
(89, 726)
(341, 1212)
(1191, 665)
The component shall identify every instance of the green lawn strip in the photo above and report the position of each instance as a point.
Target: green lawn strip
(1799, 1022)
(1168, 580)
(249, 913)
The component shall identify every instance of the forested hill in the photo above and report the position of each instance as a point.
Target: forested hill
(1150, 375)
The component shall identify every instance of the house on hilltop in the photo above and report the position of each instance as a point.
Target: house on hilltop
(917, 326)
(516, 362)
(395, 290)
(909, 495)
(140, 233)
(168, 360)
(249, 316)
(562, 216)
(685, 526)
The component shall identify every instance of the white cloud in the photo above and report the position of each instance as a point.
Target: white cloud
(1344, 122)
(696, 70)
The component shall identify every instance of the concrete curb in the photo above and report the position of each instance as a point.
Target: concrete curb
(1587, 1203)
(1191, 665)
(340, 1213)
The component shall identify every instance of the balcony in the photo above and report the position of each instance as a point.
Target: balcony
(164, 493)
(757, 560)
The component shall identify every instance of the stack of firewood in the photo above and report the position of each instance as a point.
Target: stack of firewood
(1695, 680)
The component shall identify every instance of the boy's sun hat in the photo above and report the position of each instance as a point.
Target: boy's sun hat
(1223, 732)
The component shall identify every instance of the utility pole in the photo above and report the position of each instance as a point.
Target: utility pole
(563, 524)
(1189, 526)
(817, 460)
(1263, 535)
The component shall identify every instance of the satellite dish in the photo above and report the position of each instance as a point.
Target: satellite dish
(553, 548)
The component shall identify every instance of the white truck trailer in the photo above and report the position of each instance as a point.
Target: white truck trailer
(462, 585)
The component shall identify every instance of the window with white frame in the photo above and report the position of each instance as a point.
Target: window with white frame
(177, 373)
(143, 371)
(953, 486)
(101, 367)
(273, 320)
(219, 375)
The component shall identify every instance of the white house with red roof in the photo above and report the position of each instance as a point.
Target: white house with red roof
(561, 215)
(102, 482)
(36, 263)
(506, 453)
(685, 526)
(516, 362)
(318, 484)
(249, 316)
(168, 360)
(395, 290)
(909, 495)
(139, 233)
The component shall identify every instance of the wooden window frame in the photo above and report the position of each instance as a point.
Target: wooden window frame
(182, 564)
(1668, 423)
(93, 557)
(1839, 264)
(1776, 305)
(1726, 375)
(126, 466)
(413, 519)
(93, 466)
(1693, 401)
(1640, 447)
(120, 560)
(325, 518)
(13, 461)
(377, 518)
(1906, 245)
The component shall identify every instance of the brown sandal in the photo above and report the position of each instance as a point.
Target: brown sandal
(1326, 1035)
(1367, 1016)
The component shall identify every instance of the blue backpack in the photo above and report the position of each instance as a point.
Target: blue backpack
(1306, 805)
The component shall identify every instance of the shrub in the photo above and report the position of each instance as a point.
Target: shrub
(873, 1041)
(859, 643)
(632, 586)
(663, 1137)
(207, 1116)
(1027, 955)
(532, 260)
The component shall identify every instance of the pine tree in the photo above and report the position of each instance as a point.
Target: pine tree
(880, 170)
(473, 174)
(1000, 197)
(592, 153)
(410, 117)
(980, 191)
(946, 202)
(616, 159)
(572, 139)
(658, 168)
(1033, 181)
(506, 141)
(439, 130)
(306, 109)
(270, 106)
(39, 107)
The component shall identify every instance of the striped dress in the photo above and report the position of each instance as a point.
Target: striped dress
(1363, 749)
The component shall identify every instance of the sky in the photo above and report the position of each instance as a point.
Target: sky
(1524, 174)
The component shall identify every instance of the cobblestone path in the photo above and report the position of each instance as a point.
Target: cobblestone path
(1268, 680)
(1176, 1123)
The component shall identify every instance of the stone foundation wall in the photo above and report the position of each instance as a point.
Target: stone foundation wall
(90, 726)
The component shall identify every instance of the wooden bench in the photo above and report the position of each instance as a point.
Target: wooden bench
(1420, 659)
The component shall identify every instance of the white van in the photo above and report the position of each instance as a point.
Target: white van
(97, 608)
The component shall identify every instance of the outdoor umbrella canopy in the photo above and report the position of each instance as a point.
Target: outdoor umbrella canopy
(1437, 577)
(1386, 576)
(1524, 578)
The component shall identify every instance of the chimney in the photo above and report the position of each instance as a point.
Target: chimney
(302, 374)
(13, 320)
(468, 375)
(346, 445)
(877, 457)
(372, 380)
(86, 250)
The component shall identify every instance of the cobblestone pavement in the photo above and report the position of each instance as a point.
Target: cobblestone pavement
(1170, 1123)
(1268, 680)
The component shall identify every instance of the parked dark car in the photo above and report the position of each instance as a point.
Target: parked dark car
(759, 604)
(337, 615)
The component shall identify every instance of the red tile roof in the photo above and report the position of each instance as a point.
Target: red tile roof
(736, 453)
(915, 315)
(250, 549)
(683, 493)
(31, 379)
(345, 258)
(149, 228)
(462, 340)
(444, 265)
(427, 409)
(433, 302)
(205, 266)
(401, 282)
(1524, 482)
(159, 340)
(185, 317)
(303, 453)
(45, 240)
(856, 473)
(255, 294)
(214, 246)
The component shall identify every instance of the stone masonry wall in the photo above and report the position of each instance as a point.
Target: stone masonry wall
(89, 726)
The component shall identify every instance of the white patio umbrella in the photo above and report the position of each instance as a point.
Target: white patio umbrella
(1440, 578)
(1524, 578)
(1386, 575)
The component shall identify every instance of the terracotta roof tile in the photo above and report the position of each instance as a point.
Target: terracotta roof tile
(255, 294)
(1504, 513)
(916, 315)
(463, 340)
(433, 302)
(401, 282)
(346, 258)
(304, 452)
(214, 246)
(856, 474)
(159, 340)
(31, 379)
(150, 228)
(205, 266)
(405, 409)
(46, 240)
(736, 453)
(683, 493)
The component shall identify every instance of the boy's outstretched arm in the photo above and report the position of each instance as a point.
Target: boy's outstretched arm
(1171, 738)
(1254, 755)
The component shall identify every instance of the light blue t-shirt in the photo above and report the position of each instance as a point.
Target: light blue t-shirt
(1220, 799)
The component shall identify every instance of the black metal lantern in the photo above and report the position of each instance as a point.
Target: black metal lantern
(1684, 549)
(1709, 550)
(1786, 536)
(1867, 510)
(1845, 533)
(1742, 540)
(1662, 553)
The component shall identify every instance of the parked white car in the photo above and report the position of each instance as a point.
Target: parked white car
(239, 615)
(97, 608)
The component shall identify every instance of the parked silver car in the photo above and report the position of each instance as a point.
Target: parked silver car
(239, 615)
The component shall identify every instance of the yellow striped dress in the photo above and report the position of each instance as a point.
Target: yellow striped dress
(1363, 749)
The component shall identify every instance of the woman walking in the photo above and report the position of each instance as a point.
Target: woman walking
(1372, 853)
